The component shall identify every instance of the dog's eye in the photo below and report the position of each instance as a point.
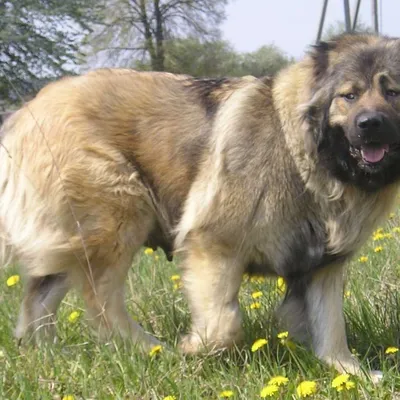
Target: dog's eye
(349, 96)
(391, 93)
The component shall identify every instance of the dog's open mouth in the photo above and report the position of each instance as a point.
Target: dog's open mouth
(370, 155)
(374, 154)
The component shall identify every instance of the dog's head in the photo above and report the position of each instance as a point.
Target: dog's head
(354, 112)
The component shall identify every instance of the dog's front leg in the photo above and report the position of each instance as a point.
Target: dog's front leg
(324, 308)
(211, 278)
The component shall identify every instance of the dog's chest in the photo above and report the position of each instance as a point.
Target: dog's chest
(349, 225)
(296, 249)
(329, 233)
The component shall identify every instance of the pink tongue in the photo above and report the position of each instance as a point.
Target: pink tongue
(374, 154)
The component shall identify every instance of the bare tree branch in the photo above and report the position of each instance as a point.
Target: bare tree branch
(123, 49)
(147, 24)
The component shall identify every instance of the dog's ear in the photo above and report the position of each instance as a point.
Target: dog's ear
(328, 53)
(320, 57)
(314, 112)
(315, 120)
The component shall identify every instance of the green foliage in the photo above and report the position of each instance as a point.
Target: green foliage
(217, 58)
(194, 57)
(267, 60)
(198, 58)
(39, 42)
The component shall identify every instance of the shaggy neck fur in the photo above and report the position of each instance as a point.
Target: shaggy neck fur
(292, 96)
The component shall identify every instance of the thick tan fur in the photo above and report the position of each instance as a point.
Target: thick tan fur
(96, 165)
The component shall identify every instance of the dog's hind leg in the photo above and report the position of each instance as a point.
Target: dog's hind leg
(42, 297)
(104, 298)
(103, 287)
(292, 313)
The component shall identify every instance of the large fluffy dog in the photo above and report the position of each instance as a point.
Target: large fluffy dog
(285, 176)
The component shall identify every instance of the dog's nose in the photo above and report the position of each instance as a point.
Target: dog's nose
(370, 120)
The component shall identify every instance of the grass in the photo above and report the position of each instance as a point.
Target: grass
(81, 367)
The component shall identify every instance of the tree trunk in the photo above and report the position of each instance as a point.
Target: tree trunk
(159, 61)
(147, 33)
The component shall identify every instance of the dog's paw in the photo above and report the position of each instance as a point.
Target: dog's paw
(191, 344)
(376, 376)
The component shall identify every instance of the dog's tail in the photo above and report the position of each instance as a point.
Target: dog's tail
(7, 253)
(35, 219)
(25, 235)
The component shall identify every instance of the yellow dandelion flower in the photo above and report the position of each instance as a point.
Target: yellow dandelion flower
(68, 397)
(378, 249)
(278, 380)
(363, 259)
(255, 305)
(306, 388)
(175, 278)
(269, 391)
(257, 279)
(347, 294)
(13, 280)
(283, 335)
(148, 251)
(226, 394)
(396, 229)
(281, 285)
(155, 350)
(350, 385)
(378, 236)
(73, 317)
(340, 380)
(258, 344)
(169, 398)
(256, 295)
(178, 285)
(343, 382)
(391, 350)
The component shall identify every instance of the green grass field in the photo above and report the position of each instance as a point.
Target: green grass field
(78, 367)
